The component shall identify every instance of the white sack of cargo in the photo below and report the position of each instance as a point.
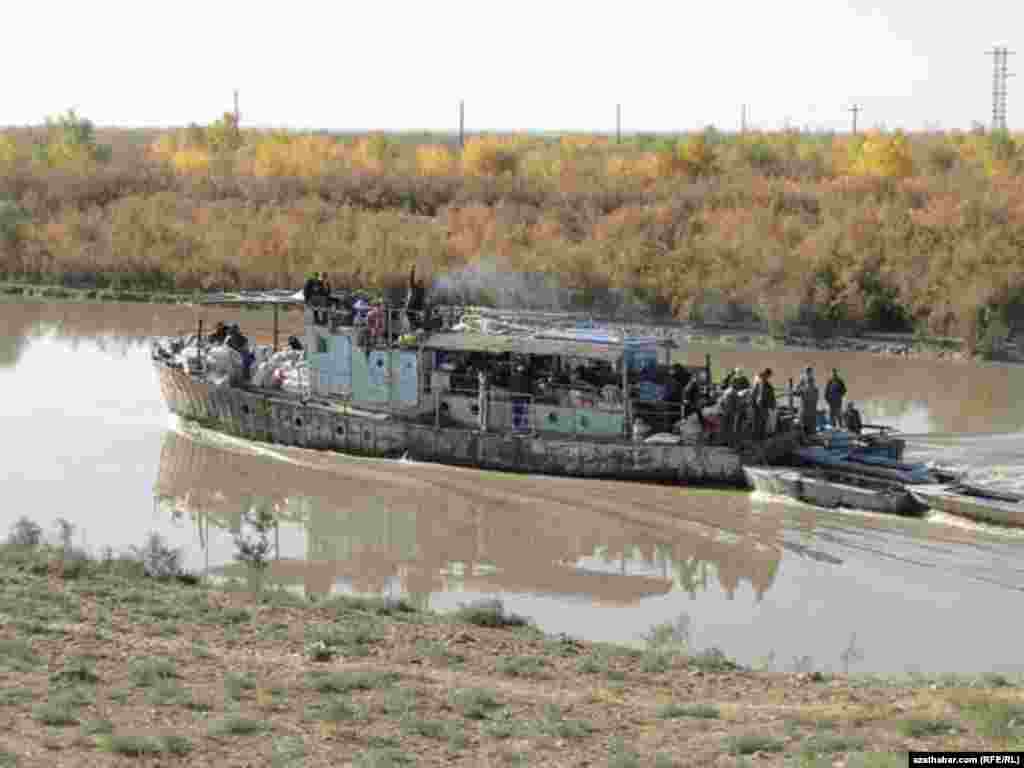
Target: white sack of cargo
(296, 380)
(224, 366)
(261, 376)
(292, 356)
(662, 438)
(690, 427)
(261, 354)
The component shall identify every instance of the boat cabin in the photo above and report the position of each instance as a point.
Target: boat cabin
(534, 380)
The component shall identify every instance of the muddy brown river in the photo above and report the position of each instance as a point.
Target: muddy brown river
(86, 437)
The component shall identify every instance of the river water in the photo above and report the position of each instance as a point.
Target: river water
(86, 437)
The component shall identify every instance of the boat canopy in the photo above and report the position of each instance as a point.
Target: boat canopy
(590, 345)
(255, 298)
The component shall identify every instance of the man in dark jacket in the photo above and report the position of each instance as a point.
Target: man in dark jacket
(851, 417)
(835, 391)
(416, 301)
(310, 289)
(807, 391)
(692, 397)
(766, 404)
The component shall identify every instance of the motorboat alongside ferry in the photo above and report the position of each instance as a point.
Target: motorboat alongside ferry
(832, 490)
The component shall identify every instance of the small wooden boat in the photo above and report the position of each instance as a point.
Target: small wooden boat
(972, 501)
(835, 489)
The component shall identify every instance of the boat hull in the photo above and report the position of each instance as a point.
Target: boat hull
(830, 494)
(945, 499)
(286, 420)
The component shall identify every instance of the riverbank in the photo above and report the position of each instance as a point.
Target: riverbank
(104, 665)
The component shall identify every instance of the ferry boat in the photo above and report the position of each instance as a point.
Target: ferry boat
(560, 399)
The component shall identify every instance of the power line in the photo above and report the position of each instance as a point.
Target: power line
(1000, 58)
(855, 109)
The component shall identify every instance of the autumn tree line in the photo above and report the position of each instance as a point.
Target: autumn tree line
(887, 231)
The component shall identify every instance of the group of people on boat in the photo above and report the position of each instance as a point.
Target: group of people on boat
(359, 309)
(750, 409)
(835, 390)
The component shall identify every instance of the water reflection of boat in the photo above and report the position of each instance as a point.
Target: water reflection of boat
(374, 529)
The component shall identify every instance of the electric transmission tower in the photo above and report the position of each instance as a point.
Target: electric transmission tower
(1000, 74)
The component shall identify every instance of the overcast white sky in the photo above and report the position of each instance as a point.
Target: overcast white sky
(534, 65)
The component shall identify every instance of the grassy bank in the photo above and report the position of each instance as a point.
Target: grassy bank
(106, 665)
(882, 231)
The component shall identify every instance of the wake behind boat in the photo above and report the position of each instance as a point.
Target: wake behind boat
(974, 502)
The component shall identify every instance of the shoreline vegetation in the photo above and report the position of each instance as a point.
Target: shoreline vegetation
(125, 659)
(882, 232)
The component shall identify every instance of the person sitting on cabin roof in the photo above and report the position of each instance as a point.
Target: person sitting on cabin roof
(220, 333)
(375, 321)
(310, 289)
(851, 418)
(415, 301)
(739, 381)
(361, 309)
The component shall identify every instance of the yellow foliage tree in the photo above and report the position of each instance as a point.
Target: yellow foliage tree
(191, 160)
(435, 160)
(882, 155)
(9, 152)
(697, 156)
(372, 153)
(283, 154)
(490, 156)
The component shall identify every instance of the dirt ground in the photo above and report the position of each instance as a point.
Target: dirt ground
(101, 666)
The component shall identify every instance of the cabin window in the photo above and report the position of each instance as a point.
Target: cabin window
(298, 422)
(340, 430)
(553, 417)
(245, 409)
(474, 409)
(584, 422)
(321, 345)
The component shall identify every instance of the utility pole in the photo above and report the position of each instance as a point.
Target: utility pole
(237, 117)
(743, 119)
(618, 123)
(462, 123)
(1000, 59)
(855, 109)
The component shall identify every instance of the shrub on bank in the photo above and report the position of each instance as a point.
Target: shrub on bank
(884, 231)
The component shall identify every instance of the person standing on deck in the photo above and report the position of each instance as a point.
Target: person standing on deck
(807, 390)
(730, 407)
(851, 418)
(483, 387)
(766, 405)
(835, 391)
(692, 397)
(754, 407)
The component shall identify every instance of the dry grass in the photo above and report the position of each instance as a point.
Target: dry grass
(253, 697)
